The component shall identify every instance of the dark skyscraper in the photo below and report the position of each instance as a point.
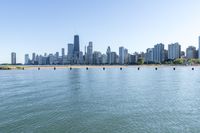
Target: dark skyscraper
(76, 46)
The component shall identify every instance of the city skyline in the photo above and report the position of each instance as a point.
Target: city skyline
(133, 24)
(154, 55)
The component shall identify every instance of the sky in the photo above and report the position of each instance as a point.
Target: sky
(40, 26)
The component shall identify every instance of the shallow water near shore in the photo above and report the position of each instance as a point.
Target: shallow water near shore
(100, 101)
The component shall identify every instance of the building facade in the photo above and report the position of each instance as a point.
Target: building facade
(121, 55)
(158, 53)
(13, 58)
(191, 52)
(174, 51)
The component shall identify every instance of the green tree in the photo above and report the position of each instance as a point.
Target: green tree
(140, 61)
(179, 61)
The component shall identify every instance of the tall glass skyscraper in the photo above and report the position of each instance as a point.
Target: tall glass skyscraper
(90, 53)
(121, 55)
(13, 58)
(76, 46)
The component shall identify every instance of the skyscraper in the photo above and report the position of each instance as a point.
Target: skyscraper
(57, 55)
(125, 55)
(76, 46)
(13, 58)
(63, 52)
(149, 56)
(80, 58)
(113, 58)
(158, 53)
(96, 58)
(26, 61)
(108, 55)
(121, 55)
(174, 51)
(90, 53)
(70, 52)
(33, 58)
(104, 59)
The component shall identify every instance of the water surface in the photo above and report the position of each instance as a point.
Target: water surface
(97, 101)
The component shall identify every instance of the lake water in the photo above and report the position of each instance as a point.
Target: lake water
(97, 101)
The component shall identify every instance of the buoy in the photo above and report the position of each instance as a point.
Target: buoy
(120, 68)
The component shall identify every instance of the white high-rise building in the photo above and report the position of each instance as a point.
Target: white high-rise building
(174, 51)
(121, 55)
(158, 53)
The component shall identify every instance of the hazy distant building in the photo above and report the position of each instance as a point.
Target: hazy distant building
(70, 52)
(63, 52)
(104, 59)
(13, 58)
(135, 58)
(76, 48)
(33, 58)
(113, 58)
(158, 53)
(108, 55)
(149, 56)
(121, 55)
(174, 51)
(165, 55)
(97, 58)
(126, 56)
(80, 58)
(40, 60)
(51, 59)
(182, 54)
(191, 52)
(26, 59)
(57, 55)
(90, 53)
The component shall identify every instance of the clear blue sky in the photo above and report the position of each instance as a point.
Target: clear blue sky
(40, 26)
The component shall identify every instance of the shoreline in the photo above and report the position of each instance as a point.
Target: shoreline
(23, 67)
